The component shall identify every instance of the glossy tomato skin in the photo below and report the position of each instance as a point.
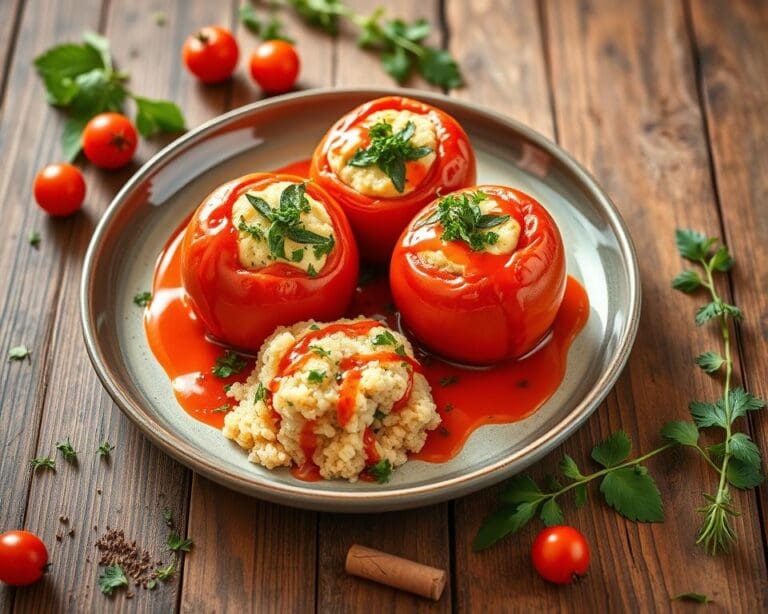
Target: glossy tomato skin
(59, 189)
(211, 54)
(274, 66)
(378, 222)
(502, 306)
(242, 307)
(23, 558)
(560, 554)
(110, 140)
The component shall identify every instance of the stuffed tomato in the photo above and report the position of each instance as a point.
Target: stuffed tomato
(387, 159)
(479, 275)
(267, 250)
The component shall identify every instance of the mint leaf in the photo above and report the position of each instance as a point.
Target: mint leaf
(710, 361)
(581, 495)
(101, 45)
(71, 137)
(67, 61)
(569, 468)
(742, 401)
(721, 260)
(153, 116)
(692, 244)
(439, 68)
(707, 414)
(551, 514)
(507, 520)
(744, 449)
(743, 475)
(613, 450)
(521, 489)
(97, 92)
(687, 281)
(633, 494)
(682, 432)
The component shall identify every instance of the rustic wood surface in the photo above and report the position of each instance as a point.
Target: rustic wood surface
(664, 101)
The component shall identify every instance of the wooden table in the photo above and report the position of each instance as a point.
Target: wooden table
(664, 101)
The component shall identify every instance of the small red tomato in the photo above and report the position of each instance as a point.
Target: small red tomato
(59, 189)
(110, 140)
(23, 558)
(211, 54)
(560, 554)
(275, 66)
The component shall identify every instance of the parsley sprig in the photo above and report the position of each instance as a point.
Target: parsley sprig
(82, 79)
(389, 151)
(400, 45)
(229, 364)
(462, 220)
(625, 483)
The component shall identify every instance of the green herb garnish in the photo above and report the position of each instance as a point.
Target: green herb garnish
(67, 451)
(272, 30)
(389, 152)
(254, 231)
(112, 578)
(166, 573)
(142, 299)
(261, 393)
(385, 338)
(105, 449)
(400, 351)
(18, 353)
(43, 462)
(319, 351)
(222, 409)
(34, 238)
(315, 377)
(380, 471)
(176, 543)
(462, 220)
(228, 365)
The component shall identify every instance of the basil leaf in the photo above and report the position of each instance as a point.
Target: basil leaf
(260, 205)
(395, 170)
(362, 158)
(97, 92)
(68, 61)
(439, 68)
(490, 221)
(71, 137)
(153, 116)
(101, 45)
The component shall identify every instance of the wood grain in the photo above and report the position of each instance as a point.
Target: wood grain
(131, 491)
(731, 40)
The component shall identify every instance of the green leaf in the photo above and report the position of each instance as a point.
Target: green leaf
(34, 238)
(398, 64)
(682, 432)
(385, 338)
(710, 361)
(229, 364)
(249, 18)
(581, 495)
(439, 68)
(613, 450)
(60, 90)
(521, 489)
(744, 449)
(301, 235)
(112, 578)
(276, 241)
(569, 468)
(507, 520)
(68, 61)
(18, 353)
(260, 205)
(695, 597)
(153, 116)
(489, 220)
(743, 475)
(551, 514)
(707, 414)
(381, 471)
(721, 260)
(101, 45)
(176, 543)
(71, 137)
(742, 401)
(323, 14)
(552, 484)
(707, 312)
(733, 311)
(692, 244)
(273, 31)
(633, 494)
(687, 281)
(97, 92)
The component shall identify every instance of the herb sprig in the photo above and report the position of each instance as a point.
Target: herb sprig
(462, 220)
(625, 483)
(112, 578)
(389, 151)
(229, 364)
(400, 44)
(269, 31)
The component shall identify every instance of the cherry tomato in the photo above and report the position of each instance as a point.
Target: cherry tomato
(211, 54)
(274, 66)
(378, 221)
(23, 558)
(485, 307)
(59, 189)
(560, 554)
(110, 140)
(242, 306)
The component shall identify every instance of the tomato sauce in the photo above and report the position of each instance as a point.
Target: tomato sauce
(466, 398)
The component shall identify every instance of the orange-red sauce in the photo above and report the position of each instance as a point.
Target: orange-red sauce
(466, 398)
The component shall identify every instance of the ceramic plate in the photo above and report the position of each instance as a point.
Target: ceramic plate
(270, 134)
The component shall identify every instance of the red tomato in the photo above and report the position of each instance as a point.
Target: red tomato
(110, 140)
(378, 222)
(211, 54)
(23, 558)
(243, 306)
(59, 189)
(501, 306)
(274, 66)
(560, 554)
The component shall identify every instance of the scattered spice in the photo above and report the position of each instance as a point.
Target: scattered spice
(444, 432)
(523, 383)
(64, 519)
(119, 553)
(448, 407)
(222, 409)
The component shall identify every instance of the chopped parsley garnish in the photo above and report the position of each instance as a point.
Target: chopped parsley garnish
(385, 338)
(228, 365)
(227, 387)
(311, 271)
(166, 573)
(462, 220)
(297, 255)
(316, 377)
(390, 151)
(34, 238)
(222, 409)
(112, 578)
(105, 449)
(18, 353)
(314, 327)
(319, 351)
(254, 231)
(67, 451)
(285, 223)
(142, 299)
(43, 462)
(380, 471)
(400, 350)
(177, 543)
(261, 393)
(449, 381)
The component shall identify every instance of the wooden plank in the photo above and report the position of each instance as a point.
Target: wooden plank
(732, 49)
(131, 491)
(10, 18)
(27, 306)
(626, 107)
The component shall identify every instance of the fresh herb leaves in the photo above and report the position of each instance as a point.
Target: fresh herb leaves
(315, 377)
(462, 220)
(142, 299)
(34, 238)
(81, 79)
(222, 409)
(229, 364)
(112, 578)
(271, 30)
(389, 151)
(18, 353)
(105, 449)
(43, 462)
(323, 353)
(380, 471)
(67, 451)
(385, 338)
(176, 543)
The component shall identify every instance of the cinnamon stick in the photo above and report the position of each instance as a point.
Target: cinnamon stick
(396, 572)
